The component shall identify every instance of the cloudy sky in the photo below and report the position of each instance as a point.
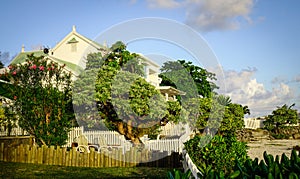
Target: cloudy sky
(256, 42)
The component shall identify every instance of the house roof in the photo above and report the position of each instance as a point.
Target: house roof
(21, 57)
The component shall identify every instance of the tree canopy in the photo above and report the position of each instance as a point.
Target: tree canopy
(282, 117)
(125, 101)
(189, 78)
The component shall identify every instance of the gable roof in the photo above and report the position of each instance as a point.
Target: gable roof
(74, 33)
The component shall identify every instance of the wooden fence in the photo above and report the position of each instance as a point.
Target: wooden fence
(64, 157)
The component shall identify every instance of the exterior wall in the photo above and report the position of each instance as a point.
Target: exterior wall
(151, 72)
(64, 51)
(154, 79)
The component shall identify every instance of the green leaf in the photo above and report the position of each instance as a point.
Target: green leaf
(235, 174)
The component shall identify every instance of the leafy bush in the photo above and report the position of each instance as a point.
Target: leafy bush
(220, 153)
(41, 93)
(270, 167)
(177, 174)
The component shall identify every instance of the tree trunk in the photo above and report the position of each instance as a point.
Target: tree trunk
(127, 131)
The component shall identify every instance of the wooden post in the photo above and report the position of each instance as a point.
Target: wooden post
(67, 159)
(106, 160)
(21, 152)
(92, 158)
(102, 159)
(99, 159)
(27, 149)
(39, 153)
(80, 155)
(51, 156)
(127, 157)
(63, 157)
(73, 157)
(112, 157)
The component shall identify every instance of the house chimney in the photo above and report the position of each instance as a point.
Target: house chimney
(104, 44)
(74, 28)
(23, 48)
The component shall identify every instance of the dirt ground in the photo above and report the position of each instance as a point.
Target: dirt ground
(274, 147)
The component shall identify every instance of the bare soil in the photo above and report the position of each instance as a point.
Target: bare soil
(274, 147)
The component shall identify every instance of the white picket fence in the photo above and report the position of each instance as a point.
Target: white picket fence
(189, 165)
(15, 131)
(171, 129)
(114, 138)
(252, 123)
(171, 145)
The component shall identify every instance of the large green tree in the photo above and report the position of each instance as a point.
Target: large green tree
(188, 77)
(281, 118)
(41, 94)
(128, 103)
(124, 100)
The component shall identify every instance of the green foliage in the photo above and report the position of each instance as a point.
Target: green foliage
(181, 74)
(8, 117)
(270, 167)
(41, 93)
(204, 112)
(2, 114)
(233, 119)
(177, 174)
(126, 102)
(223, 100)
(281, 118)
(210, 114)
(219, 153)
(84, 94)
(175, 112)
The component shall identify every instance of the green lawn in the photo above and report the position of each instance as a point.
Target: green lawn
(21, 170)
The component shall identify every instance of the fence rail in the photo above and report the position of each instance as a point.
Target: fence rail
(181, 131)
(63, 157)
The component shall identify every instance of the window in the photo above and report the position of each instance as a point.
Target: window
(73, 42)
(73, 47)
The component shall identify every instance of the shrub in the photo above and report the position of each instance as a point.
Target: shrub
(40, 90)
(221, 153)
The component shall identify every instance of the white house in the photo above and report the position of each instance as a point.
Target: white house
(73, 49)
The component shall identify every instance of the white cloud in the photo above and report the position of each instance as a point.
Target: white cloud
(209, 15)
(243, 88)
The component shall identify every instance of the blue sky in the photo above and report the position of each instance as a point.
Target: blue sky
(257, 42)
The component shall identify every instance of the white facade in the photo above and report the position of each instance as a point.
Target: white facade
(74, 48)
